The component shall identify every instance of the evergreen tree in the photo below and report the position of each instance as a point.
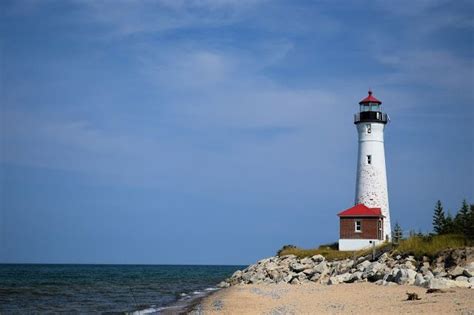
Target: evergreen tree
(397, 234)
(461, 221)
(470, 229)
(449, 226)
(439, 219)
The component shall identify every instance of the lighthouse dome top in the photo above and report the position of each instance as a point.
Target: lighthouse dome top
(370, 99)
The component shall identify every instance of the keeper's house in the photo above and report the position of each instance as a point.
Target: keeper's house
(360, 227)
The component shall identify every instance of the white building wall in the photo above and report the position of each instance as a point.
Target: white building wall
(351, 245)
(371, 184)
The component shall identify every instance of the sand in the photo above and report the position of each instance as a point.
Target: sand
(356, 298)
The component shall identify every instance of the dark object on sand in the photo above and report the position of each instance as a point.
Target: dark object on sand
(438, 291)
(413, 296)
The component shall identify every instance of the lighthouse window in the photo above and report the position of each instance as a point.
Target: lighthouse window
(358, 226)
(369, 159)
(368, 128)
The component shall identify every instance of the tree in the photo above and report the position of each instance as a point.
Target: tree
(439, 219)
(470, 229)
(461, 221)
(397, 233)
(449, 224)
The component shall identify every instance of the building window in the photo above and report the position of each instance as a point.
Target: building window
(358, 226)
(368, 128)
(369, 159)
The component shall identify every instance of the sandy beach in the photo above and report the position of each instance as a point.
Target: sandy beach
(356, 298)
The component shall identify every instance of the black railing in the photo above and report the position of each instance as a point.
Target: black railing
(370, 117)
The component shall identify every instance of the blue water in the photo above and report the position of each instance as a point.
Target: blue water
(103, 288)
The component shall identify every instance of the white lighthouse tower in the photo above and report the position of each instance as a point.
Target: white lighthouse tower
(371, 184)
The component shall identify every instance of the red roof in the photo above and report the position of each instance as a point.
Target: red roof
(361, 210)
(370, 99)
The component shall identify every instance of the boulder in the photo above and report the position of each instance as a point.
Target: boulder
(318, 258)
(297, 267)
(363, 265)
(321, 268)
(405, 276)
(469, 270)
(443, 283)
(315, 277)
(295, 281)
(462, 278)
(340, 278)
(307, 261)
(223, 284)
(309, 271)
(356, 276)
(420, 280)
(456, 271)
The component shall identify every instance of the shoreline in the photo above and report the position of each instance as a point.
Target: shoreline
(344, 298)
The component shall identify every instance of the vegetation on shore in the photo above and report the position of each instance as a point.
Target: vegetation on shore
(448, 233)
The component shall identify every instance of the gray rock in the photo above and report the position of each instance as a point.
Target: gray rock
(356, 276)
(456, 271)
(471, 280)
(363, 265)
(302, 276)
(409, 264)
(309, 271)
(297, 267)
(315, 277)
(462, 278)
(307, 261)
(443, 283)
(318, 258)
(420, 280)
(289, 277)
(321, 268)
(469, 270)
(295, 281)
(405, 276)
(223, 284)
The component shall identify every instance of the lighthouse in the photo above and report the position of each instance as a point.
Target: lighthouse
(368, 222)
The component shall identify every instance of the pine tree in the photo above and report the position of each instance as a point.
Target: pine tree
(449, 227)
(461, 221)
(470, 230)
(439, 219)
(397, 234)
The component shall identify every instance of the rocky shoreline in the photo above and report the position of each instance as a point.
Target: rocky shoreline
(449, 269)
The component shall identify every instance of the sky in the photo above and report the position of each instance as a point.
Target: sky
(215, 132)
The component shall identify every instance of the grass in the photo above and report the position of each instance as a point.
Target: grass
(431, 245)
(418, 246)
(329, 252)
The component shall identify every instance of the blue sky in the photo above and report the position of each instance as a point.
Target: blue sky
(214, 132)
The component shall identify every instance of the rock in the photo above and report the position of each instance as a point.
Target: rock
(462, 278)
(223, 284)
(356, 276)
(297, 267)
(438, 283)
(315, 277)
(309, 271)
(318, 258)
(295, 281)
(306, 261)
(420, 280)
(321, 268)
(405, 276)
(469, 270)
(289, 277)
(409, 264)
(471, 280)
(443, 283)
(456, 271)
(363, 265)
(383, 258)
